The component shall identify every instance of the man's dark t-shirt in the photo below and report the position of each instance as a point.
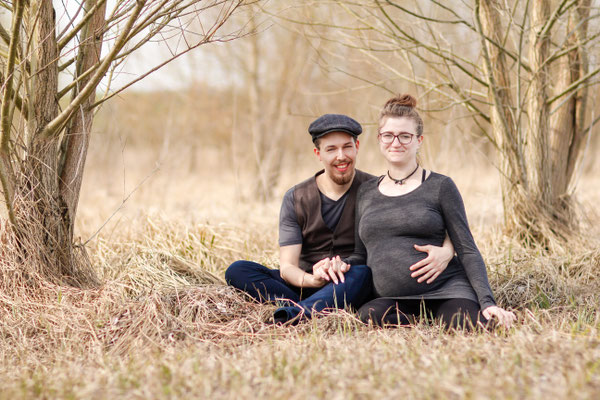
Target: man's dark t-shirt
(290, 231)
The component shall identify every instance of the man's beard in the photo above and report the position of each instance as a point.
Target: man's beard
(344, 178)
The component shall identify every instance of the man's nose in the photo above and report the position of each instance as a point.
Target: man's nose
(340, 154)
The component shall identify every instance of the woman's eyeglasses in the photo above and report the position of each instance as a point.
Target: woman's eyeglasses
(403, 138)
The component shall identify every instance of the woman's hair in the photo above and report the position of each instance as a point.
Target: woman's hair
(402, 105)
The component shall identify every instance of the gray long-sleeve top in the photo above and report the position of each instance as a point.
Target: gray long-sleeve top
(388, 227)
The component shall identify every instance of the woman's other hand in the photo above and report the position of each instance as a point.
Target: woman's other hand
(505, 318)
(337, 269)
(433, 265)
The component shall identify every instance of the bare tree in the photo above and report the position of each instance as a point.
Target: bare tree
(45, 126)
(271, 65)
(522, 69)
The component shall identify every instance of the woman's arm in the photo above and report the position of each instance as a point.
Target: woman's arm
(455, 218)
(359, 256)
(438, 258)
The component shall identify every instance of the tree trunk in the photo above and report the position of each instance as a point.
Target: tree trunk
(43, 148)
(533, 165)
(536, 147)
(567, 123)
(43, 228)
(77, 136)
(506, 131)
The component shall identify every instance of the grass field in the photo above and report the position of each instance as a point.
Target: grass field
(164, 326)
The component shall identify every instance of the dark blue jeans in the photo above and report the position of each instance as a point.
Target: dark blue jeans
(266, 285)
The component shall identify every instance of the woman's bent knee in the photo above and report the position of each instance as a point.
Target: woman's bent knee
(364, 313)
(371, 313)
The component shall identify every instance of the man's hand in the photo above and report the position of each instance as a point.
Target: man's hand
(320, 270)
(505, 318)
(433, 265)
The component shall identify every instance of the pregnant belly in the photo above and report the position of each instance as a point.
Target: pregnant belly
(391, 273)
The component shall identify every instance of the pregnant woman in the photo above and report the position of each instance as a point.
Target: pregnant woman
(410, 205)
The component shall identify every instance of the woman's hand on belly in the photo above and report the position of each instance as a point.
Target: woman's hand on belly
(429, 268)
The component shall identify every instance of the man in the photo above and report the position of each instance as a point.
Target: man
(316, 228)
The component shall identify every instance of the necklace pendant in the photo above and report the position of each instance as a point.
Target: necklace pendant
(401, 181)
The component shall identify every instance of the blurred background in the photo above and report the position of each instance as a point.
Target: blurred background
(220, 134)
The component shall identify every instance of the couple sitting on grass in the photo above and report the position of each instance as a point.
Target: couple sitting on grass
(383, 245)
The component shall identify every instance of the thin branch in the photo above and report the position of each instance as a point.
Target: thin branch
(436, 51)
(429, 19)
(152, 17)
(592, 124)
(66, 64)
(9, 75)
(503, 49)
(71, 20)
(75, 82)
(6, 6)
(153, 32)
(4, 35)
(560, 10)
(62, 118)
(16, 98)
(566, 51)
(573, 86)
(154, 69)
(6, 174)
(73, 32)
(573, 93)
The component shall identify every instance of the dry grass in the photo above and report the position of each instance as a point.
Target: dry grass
(163, 325)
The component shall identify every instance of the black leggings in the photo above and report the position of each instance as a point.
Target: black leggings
(453, 313)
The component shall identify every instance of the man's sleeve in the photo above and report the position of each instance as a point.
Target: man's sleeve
(289, 229)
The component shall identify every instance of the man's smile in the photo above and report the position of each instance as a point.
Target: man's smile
(343, 167)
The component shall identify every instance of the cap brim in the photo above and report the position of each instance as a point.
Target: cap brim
(349, 132)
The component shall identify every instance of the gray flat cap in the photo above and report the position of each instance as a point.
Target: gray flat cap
(333, 123)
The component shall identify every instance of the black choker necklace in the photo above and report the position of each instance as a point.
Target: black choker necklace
(401, 181)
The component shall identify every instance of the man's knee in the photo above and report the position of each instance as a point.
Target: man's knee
(236, 272)
(361, 272)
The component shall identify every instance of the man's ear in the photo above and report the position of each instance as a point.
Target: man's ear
(357, 143)
(317, 153)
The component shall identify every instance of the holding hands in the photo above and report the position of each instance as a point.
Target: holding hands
(330, 269)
